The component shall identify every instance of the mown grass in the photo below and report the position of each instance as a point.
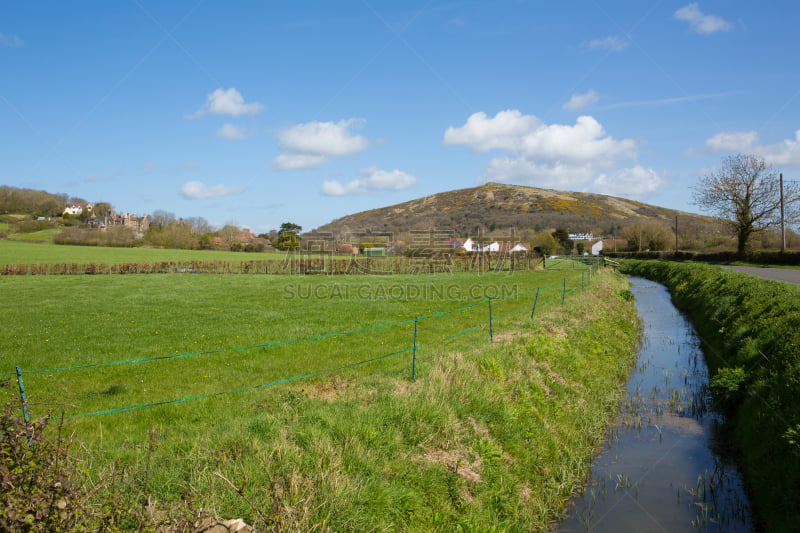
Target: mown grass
(750, 328)
(488, 436)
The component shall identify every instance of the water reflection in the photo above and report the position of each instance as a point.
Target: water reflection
(666, 466)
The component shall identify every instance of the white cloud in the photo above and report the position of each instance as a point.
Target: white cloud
(783, 153)
(196, 190)
(732, 141)
(503, 131)
(635, 181)
(579, 101)
(373, 180)
(562, 156)
(700, 22)
(227, 102)
(314, 143)
(12, 41)
(612, 43)
(229, 131)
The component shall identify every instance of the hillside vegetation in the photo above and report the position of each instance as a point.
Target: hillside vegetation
(497, 206)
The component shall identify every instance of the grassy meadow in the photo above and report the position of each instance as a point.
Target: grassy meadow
(488, 435)
(15, 252)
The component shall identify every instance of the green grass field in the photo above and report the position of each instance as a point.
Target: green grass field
(12, 252)
(488, 435)
(45, 236)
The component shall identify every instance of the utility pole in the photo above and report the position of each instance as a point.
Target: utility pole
(676, 234)
(783, 228)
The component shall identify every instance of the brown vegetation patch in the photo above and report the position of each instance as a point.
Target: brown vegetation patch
(555, 376)
(552, 329)
(505, 336)
(479, 428)
(457, 461)
(327, 391)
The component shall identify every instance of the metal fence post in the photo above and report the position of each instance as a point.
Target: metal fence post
(533, 311)
(22, 395)
(564, 291)
(491, 335)
(414, 354)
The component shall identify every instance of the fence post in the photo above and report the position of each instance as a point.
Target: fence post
(491, 335)
(535, 301)
(22, 395)
(564, 291)
(414, 354)
(582, 273)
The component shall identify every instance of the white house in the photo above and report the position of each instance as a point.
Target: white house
(77, 209)
(468, 245)
(597, 247)
(520, 247)
(581, 236)
(491, 247)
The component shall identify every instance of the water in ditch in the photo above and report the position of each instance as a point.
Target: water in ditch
(667, 464)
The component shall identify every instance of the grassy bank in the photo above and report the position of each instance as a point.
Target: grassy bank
(751, 329)
(489, 435)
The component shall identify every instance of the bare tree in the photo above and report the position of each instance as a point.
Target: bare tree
(745, 193)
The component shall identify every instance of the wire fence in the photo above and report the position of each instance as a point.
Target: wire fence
(293, 263)
(481, 315)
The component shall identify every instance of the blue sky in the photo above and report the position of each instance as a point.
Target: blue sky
(258, 113)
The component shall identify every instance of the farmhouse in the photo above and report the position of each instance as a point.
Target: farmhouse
(128, 220)
(77, 209)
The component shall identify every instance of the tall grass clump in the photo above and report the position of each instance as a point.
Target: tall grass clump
(751, 333)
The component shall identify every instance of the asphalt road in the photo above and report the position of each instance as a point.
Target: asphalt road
(775, 274)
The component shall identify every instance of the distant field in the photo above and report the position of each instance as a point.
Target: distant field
(12, 252)
(44, 236)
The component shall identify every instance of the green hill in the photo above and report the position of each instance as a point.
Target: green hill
(496, 206)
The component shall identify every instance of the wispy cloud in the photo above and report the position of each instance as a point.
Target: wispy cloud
(12, 41)
(227, 102)
(197, 190)
(315, 143)
(579, 101)
(665, 101)
(373, 180)
(701, 23)
(613, 43)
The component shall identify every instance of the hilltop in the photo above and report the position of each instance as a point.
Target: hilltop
(496, 206)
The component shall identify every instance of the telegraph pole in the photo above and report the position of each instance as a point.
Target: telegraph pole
(676, 234)
(783, 228)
